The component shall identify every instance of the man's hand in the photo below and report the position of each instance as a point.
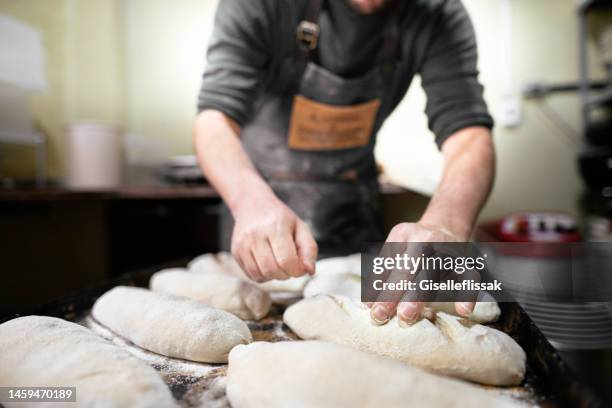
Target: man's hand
(271, 242)
(469, 168)
(409, 312)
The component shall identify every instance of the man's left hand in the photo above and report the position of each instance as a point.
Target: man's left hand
(409, 312)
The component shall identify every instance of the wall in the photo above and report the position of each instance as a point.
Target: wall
(48, 107)
(165, 49)
(536, 163)
(139, 62)
(165, 54)
(85, 72)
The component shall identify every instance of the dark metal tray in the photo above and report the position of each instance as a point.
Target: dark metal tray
(548, 382)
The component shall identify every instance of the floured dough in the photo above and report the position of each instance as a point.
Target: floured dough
(170, 325)
(484, 312)
(336, 276)
(343, 265)
(342, 276)
(215, 288)
(39, 351)
(224, 261)
(205, 263)
(331, 283)
(349, 286)
(450, 346)
(320, 374)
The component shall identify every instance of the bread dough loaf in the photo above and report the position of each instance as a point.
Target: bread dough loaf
(332, 283)
(320, 374)
(170, 325)
(215, 288)
(347, 285)
(344, 265)
(484, 312)
(224, 261)
(336, 276)
(205, 263)
(342, 276)
(450, 346)
(39, 351)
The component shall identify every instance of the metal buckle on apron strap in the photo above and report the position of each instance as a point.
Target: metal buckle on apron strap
(308, 35)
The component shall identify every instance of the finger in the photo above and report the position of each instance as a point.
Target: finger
(399, 233)
(409, 312)
(466, 300)
(382, 312)
(262, 252)
(285, 253)
(464, 308)
(307, 248)
(384, 308)
(248, 264)
(397, 275)
(241, 252)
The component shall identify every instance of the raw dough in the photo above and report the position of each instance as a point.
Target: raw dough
(336, 276)
(332, 283)
(224, 261)
(46, 351)
(343, 265)
(170, 325)
(450, 346)
(215, 288)
(205, 263)
(342, 276)
(484, 312)
(347, 285)
(319, 374)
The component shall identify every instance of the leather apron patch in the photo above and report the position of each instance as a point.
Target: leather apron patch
(319, 126)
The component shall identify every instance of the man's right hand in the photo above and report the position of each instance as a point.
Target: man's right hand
(271, 242)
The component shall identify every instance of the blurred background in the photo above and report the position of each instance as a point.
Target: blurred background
(136, 65)
(97, 100)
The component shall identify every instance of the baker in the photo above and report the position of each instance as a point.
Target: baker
(293, 95)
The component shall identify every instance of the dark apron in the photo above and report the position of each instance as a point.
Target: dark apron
(334, 191)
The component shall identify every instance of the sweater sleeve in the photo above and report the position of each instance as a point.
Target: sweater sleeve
(450, 76)
(237, 58)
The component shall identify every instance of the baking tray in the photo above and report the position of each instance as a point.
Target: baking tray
(548, 381)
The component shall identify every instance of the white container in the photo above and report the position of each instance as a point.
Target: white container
(93, 156)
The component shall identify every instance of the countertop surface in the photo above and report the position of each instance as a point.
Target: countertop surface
(153, 192)
(150, 191)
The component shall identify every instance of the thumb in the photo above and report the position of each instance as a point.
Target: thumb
(464, 308)
(306, 247)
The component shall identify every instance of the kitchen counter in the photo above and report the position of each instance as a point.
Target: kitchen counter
(153, 191)
(125, 192)
(55, 240)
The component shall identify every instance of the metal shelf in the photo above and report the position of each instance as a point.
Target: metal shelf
(584, 6)
(604, 98)
(589, 99)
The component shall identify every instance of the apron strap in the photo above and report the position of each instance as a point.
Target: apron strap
(308, 31)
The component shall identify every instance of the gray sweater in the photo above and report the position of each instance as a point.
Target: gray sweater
(253, 47)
